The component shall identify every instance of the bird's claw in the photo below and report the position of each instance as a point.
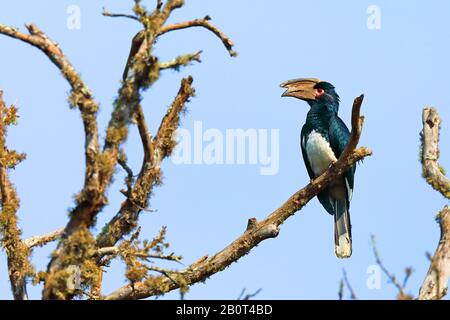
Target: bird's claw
(332, 164)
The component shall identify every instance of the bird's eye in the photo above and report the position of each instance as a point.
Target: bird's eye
(319, 92)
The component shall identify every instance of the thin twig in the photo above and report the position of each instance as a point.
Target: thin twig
(41, 240)
(401, 290)
(159, 4)
(101, 252)
(408, 273)
(391, 277)
(248, 296)
(341, 290)
(129, 179)
(205, 23)
(106, 13)
(348, 285)
(181, 61)
(146, 137)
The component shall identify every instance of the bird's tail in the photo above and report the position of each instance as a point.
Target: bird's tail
(342, 230)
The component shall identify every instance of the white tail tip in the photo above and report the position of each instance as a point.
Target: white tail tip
(344, 248)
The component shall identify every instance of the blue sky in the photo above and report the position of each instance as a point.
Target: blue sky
(400, 67)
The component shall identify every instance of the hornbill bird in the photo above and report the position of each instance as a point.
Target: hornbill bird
(323, 138)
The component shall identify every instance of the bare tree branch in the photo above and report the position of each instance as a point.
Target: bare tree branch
(402, 295)
(257, 231)
(129, 179)
(205, 23)
(141, 71)
(38, 241)
(181, 61)
(106, 13)
(348, 285)
(341, 290)
(101, 252)
(19, 265)
(155, 151)
(92, 198)
(89, 198)
(408, 272)
(248, 296)
(435, 285)
(432, 171)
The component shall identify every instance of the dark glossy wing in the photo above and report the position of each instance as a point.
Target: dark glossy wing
(339, 136)
(303, 140)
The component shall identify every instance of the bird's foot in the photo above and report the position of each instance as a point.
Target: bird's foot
(332, 164)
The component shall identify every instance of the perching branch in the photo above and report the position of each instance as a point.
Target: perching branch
(257, 231)
(341, 290)
(19, 265)
(432, 171)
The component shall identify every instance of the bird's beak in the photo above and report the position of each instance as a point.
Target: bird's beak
(300, 88)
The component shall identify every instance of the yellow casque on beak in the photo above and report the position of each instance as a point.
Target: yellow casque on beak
(302, 88)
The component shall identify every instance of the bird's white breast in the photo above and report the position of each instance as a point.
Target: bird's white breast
(319, 152)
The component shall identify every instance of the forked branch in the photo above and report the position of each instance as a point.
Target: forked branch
(435, 285)
(155, 151)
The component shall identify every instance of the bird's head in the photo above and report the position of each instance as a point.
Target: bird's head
(314, 91)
